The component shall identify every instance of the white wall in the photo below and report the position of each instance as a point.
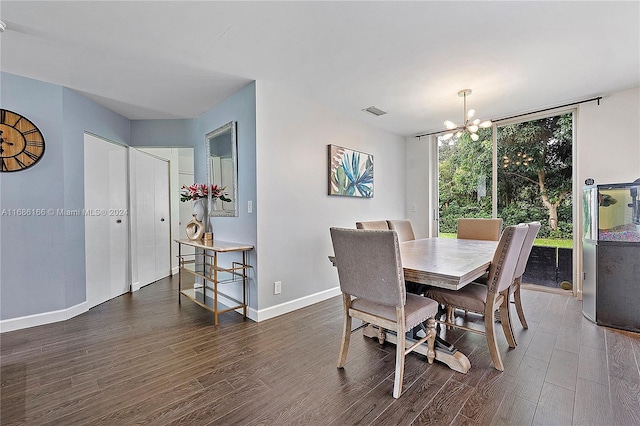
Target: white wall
(420, 178)
(608, 150)
(608, 138)
(294, 212)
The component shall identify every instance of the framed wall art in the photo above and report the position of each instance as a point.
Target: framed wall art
(350, 172)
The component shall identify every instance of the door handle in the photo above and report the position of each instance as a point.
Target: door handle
(119, 221)
(162, 219)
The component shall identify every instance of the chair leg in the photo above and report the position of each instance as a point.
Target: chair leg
(518, 301)
(400, 345)
(505, 319)
(451, 316)
(431, 341)
(346, 331)
(492, 342)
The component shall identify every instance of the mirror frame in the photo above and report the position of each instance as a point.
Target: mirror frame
(233, 193)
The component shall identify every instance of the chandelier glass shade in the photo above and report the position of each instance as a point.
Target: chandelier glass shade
(470, 125)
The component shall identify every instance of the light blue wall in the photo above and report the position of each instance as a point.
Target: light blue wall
(32, 278)
(42, 266)
(81, 114)
(163, 133)
(241, 107)
(42, 259)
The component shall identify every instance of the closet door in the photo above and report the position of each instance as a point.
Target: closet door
(150, 196)
(106, 219)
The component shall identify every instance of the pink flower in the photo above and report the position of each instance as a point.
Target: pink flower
(201, 190)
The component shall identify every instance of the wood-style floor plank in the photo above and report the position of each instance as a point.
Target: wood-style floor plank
(142, 358)
(555, 406)
(624, 378)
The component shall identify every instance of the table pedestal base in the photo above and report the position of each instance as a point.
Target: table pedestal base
(456, 361)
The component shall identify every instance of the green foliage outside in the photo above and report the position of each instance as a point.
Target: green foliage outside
(534, 177)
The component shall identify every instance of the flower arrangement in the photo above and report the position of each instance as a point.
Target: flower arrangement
(202, 190)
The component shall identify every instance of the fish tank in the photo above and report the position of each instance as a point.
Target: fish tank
(611, 255)
(612, 212)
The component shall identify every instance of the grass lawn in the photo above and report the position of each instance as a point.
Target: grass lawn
(544, 242)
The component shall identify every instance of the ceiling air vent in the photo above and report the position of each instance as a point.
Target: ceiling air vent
(375, 111)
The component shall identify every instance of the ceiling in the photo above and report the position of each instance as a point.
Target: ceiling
(178, 59)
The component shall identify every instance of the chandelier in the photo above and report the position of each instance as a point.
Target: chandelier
(469, 126)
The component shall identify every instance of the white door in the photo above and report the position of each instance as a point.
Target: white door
(106, 219)
(152, 217)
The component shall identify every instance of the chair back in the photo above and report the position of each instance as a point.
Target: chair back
(380, 225)
(479, 228)
(369, 265)
(532, 232)
(403, 228)
(505, 258)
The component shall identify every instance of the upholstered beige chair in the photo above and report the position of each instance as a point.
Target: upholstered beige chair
(471, 228)
(523, 258)
(404, 229)
(485, 299)
(372, 284)
(380, 225)
(532, 232)
(479, 229)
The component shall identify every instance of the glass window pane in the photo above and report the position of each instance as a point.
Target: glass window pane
(465, 179)
(535, 174)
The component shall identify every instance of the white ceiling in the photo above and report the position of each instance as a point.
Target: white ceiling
(178, 59)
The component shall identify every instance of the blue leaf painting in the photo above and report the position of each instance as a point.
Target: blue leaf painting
(350, 172)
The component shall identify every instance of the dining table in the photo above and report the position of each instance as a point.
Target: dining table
(449, 263)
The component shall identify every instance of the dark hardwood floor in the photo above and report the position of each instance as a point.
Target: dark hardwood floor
(143, 359)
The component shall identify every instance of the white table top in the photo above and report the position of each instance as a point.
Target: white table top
(216, 245)
(446, 262)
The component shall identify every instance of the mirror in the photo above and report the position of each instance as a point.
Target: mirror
(222, 168)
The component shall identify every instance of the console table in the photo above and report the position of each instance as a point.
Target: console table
(204, 264)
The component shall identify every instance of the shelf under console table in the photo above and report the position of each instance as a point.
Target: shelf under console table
(204, 264)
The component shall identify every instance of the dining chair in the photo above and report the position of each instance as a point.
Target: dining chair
(403, 228)
(372, 284)
(523, 258)
(405, 233)
(486, 299)
(471, 228)
(373, 225)
(532, 232)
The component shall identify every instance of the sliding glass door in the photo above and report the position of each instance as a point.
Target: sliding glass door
(520, 171)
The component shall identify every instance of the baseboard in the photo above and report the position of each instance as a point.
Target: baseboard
(135, 286)
(253, 314)
(284, 308)
(43, 318)
(544, 289)
(293, 305)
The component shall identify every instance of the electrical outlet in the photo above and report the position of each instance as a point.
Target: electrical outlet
(414, 208)
(249, 206)
(277, 287)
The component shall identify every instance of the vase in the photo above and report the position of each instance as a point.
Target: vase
(210, 213)
(199, 208)
(194, 229)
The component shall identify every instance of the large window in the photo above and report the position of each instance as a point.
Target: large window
(465, 179)
(522, 174)
(535, 174)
